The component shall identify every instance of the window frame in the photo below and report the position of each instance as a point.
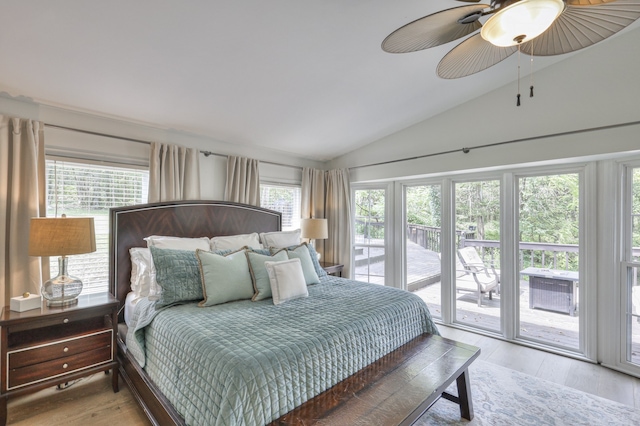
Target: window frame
(89, 287)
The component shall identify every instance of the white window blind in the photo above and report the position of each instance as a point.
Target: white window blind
(89, 190)
(284, 199)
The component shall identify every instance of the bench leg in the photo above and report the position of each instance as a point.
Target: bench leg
(464, 395)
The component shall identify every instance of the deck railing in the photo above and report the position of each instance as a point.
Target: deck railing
(430, 237)
(541, 255)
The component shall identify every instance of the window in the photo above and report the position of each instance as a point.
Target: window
(369, 236)
(423, 244)
(284, 199)
(89, 190)
(631, 264)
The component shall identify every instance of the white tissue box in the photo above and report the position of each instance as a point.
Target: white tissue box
(21, 304)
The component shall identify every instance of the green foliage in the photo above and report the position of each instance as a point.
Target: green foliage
(369, 207)
(549, 209)
(423, 205)
(478, 209)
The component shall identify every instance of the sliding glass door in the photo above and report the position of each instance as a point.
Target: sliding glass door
(631, 266)
(549, 253)
(369, 236)
(477, 278)
(423, 244)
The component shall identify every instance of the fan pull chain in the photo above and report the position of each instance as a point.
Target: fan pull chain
(531, 72)
(518, 97)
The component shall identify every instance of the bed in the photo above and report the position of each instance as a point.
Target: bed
(246, 362)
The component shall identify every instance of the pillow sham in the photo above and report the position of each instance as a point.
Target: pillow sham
(302, 252)
(141, 263)
(178, 274)
(225, 278)
(281, 239)
(259, 275)
(287, 280)
(236, 242)
(316, 262)
(177, 243)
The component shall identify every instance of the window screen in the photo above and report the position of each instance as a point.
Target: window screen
(286, 200)
(89, 190)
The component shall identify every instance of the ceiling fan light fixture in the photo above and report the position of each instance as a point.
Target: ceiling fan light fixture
(521, 21)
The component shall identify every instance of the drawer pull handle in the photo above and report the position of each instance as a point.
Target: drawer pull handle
(66, 320)
(66, 349)
(65, 365)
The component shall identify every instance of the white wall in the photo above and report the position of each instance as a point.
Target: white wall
(599, 87)
(100, 148)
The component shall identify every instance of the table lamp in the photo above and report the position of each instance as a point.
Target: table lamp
(61, 236)
(314, 229)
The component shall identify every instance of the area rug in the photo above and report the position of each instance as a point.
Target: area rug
(507, 397)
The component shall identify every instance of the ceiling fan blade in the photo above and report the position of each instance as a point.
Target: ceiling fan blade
(581, 26)
(471, 56)
(433, 30)
(586, 2)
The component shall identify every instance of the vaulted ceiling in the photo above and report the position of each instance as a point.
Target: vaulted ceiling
(307, 78)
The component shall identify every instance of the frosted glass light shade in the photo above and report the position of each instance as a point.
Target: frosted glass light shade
(521, 22)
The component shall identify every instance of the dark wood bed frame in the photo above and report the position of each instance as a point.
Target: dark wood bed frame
(130, 225)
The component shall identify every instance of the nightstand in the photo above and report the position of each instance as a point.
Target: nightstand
(332, 268)
(52, 345)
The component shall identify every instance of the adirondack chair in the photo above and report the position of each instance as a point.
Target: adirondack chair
(486, 278)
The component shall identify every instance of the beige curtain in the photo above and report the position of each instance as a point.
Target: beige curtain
(174, 173)
(22, 196)
(326, 194)
(312, 200)
(243, 181)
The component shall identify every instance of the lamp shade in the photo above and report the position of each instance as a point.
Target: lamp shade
(61, 236)
(314, 229)
(521, 21)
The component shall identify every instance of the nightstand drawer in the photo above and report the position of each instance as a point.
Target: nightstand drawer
(39, 372)
(65, 319)
(59, 349)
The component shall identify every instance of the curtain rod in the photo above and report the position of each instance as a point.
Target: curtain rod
(205, 153)
(467, 150)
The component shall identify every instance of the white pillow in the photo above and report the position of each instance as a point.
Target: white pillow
(178, 243)
(280, 239)
(141, 270)
(236, 242)
(287, 280)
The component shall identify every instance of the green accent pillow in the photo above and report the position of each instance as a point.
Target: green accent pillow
(178, 274)
(224, 278)
(302, 252)
(259, 275)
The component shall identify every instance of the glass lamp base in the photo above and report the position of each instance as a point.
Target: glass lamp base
(62, 290)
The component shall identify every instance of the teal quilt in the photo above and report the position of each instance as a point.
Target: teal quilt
(248, 363)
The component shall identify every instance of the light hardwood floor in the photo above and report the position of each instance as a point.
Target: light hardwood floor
(91, 401)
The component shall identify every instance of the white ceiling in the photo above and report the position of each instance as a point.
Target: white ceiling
(307, 78)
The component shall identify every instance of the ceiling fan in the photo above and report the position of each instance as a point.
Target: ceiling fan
(535, 27)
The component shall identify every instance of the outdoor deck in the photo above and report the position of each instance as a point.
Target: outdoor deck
(423, 273)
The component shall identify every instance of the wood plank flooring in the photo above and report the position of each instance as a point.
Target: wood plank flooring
(91, 401)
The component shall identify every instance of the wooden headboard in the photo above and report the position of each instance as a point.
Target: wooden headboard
(128, 226)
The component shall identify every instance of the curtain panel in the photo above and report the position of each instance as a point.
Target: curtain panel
(22, 196)
(326, 194)
(243, 180)
(174, 173)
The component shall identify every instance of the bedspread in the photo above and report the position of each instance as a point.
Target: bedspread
(248, 363)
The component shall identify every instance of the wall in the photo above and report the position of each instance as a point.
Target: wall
(100, 148)
(597, 88)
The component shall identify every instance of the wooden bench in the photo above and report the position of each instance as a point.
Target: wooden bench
(396, 389)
